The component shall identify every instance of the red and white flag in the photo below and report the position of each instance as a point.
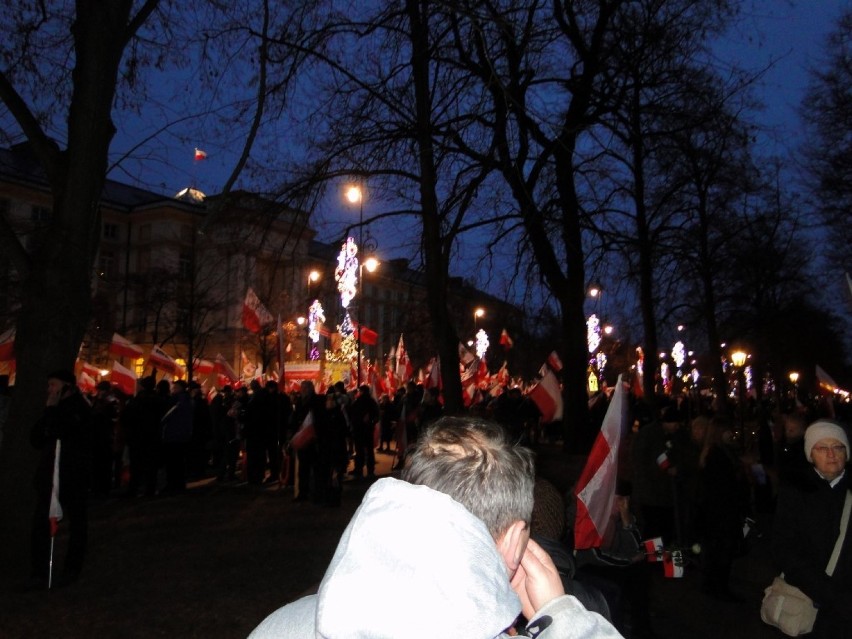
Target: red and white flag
(825, 380)
(595, 489)
(404, 369)
(199, 154)
(653, 549)
(466, 358)
(90, 370)
(547, 396)
(158, 358)
(224, 369)
(123, 378)
(255, 315)
(122, 347)
(7, 346)
(54, 513)
(503, 375)
(673, 564)
(554, 362)
(202, 366)
(506, 341)
(663, 461)
(86, 383)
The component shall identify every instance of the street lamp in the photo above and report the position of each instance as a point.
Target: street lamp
(738, 359)
(371, 264)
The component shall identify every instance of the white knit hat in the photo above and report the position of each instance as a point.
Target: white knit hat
(824, 429)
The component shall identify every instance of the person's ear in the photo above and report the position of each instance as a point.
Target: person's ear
(512, 544)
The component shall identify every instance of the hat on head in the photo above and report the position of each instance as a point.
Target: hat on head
(824, 429)
(63, 375)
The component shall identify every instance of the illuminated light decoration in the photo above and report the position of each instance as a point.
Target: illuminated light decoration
(348, 343)
(482, 343)
(593, 382)
(316, 318)
(749, 379)
(346, 273)
(664, 373)
(678, 354)
(600, 361)
(640, 361)
(695, 375)
(593, 333)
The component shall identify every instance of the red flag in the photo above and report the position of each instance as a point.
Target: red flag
(482, 375)
(673, 564)
(199, 154)
(54, 513)
(404, 369)
(124, 378)
(653, 549)
(554, 362)
(89, 369)
(255, 315)
(595, 489)
(505, 340)
(547, 396)
(503, 374)
(368, 335)
(224, 369)
(7, 346)
(86, 383)
(160, 359)
(122, 347)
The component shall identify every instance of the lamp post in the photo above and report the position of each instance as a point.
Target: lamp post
(738, 358)
(794, 380)
(371, 264)
(477, 313)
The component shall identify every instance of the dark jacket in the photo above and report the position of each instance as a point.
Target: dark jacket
(177, 422)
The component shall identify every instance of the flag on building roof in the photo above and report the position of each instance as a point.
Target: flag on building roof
(506, 341)
(199, 154)
(255, 315)
(123, 378)
(595, 489)
(122, 347)
(547, 396)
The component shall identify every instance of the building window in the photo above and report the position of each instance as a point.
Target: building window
(139, 367)
(110, 231)
(40, 215)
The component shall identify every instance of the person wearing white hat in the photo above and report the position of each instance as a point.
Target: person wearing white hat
(807, 525)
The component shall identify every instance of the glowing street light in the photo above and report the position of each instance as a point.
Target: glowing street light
(794, 377)
(738, 358)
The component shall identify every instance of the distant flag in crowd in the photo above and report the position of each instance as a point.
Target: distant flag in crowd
(503, 375)
(199, 154)
(554, 362)
(547, 396)
(368, 335)
(255, 315)
(224, 369)
(595, 488)
(825, 380)
(506, 341)
(404, 369)
(653, 549)
(465, 356)
(158, 358)
(122, 347)
(7, 346)
(202, 366)
(123, 378)
(86, 383)
(54, 511)
(433, 374)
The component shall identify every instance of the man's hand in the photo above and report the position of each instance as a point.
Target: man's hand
(536, 582)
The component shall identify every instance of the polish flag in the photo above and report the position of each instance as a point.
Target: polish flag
(663, 461)
(547, 396)
(482, 376)
(255, 314)
(390, 376)
(596, 487)
(199, 154)
(86, 383)
(404, 369)
(158, 358)
(89, 369)
(122, 347)
(673, 564)
(7, 346)
(54, 513)
(224, 369)
(123, 378)
(653, 549)
(203, 366)
(554, 362)
(506, 341)
(465, 356)
(503, 375)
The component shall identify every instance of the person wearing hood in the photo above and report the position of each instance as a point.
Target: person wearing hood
(807, 525)
(443, 552)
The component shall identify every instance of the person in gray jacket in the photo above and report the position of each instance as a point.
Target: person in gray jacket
(445, 552)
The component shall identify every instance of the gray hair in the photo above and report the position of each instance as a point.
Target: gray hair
(473, 461)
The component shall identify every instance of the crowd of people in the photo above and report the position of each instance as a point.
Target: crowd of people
(686, 475)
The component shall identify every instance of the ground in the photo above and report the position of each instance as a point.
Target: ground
(215, 561)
